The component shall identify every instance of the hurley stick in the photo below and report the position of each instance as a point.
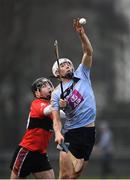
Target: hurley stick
(57, 59)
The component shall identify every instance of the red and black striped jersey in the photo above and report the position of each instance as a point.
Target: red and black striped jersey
(39, 128)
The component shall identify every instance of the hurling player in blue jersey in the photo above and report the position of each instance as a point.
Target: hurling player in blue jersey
(80, 109)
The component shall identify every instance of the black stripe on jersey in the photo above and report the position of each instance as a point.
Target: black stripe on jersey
(45, 123)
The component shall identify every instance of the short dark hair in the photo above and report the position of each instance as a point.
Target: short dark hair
(38, 83)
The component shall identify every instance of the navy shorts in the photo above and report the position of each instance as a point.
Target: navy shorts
(25, 162)
(81, 141)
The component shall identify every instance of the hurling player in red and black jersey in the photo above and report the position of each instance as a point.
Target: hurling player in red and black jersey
(31, 154)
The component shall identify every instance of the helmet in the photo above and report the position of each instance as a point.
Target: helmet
(38, 83)
(55, 65)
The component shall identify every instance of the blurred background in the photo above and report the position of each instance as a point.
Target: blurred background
(28, 29)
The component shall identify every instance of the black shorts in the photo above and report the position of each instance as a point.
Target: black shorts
(25, 162)
(81, 141)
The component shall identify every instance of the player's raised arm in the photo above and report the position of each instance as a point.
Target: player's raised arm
(86, 45)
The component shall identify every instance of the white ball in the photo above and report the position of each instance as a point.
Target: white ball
(82, 21)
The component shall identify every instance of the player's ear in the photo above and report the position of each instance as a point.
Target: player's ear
(57, 72)
(37, 93)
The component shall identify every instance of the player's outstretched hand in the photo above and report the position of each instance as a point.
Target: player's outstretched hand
(77, 26)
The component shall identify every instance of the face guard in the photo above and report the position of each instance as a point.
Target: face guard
(38, 83)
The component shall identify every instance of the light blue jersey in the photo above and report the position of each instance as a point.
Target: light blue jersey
(81, 108)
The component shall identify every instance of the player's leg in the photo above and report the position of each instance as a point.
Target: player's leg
(14, 176)
(78, 165)
(73, 163)
(70, 167)
(19, 167)
(77, 174)
(66, 166)
(85, 149)
(49, 174)
(41, 166)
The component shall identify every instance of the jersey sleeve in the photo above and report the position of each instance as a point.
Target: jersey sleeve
(37, 109)
(82, 72)
(55, 97)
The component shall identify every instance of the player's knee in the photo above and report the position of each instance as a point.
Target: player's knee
(78, 166)
(77, 172)
(64, 175)
(77, 169)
